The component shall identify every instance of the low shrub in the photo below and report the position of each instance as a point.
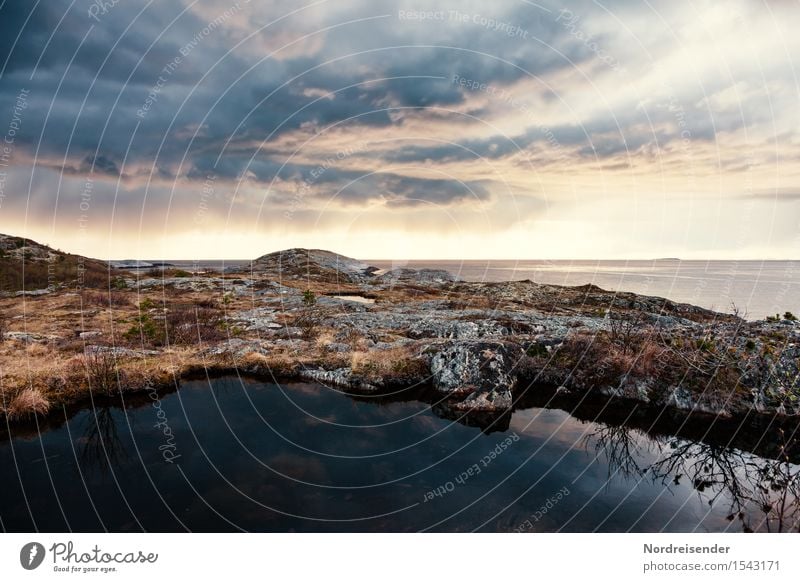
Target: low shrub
(101, 372)
(183, 325)
(146, 304)
(112, 298)
(119, 283)
(309, 324)
(191, 325)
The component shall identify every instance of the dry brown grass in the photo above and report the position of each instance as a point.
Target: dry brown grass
(394, 364)
(308, 321)
(595, 360)
(278, 364)
(178, 324)
(105, 299)
(27, 404)
(325, 336)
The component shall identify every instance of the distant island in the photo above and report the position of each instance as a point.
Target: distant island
(72, 327)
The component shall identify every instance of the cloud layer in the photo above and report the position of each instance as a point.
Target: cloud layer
(425, 129)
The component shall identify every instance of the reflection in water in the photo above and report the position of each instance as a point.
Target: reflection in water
(617, 444)
(761, 493)
(258, 456)
(102, 448)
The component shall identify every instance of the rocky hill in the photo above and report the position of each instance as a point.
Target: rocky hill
(26, 265)
(313, 265)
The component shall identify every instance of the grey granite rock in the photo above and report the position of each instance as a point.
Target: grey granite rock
(476, 375)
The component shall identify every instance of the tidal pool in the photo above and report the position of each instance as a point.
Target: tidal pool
(232, 453)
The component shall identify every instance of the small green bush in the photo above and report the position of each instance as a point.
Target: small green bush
(119, 283)
(705, 345)
(145, 331)
(146, 304)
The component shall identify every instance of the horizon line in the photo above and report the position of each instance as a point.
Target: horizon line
(664, 259)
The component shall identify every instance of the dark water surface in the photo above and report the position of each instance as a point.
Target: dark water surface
(258, 456)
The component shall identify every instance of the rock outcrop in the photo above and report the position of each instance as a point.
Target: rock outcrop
(476, 378)
(28, 268)
(313, 265)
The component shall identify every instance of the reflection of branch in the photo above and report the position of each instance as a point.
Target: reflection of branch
(778, 492)
(709, 467)
(618, 445)
(102, 446)
(763, 493)
(752, 484)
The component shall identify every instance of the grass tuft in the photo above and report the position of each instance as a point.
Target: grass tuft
(28, 403)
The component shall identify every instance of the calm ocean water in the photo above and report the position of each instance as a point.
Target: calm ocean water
(758, 288)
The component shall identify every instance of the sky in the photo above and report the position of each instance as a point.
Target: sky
(184, 129)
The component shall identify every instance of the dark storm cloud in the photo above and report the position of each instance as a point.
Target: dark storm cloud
(99, 165)
(48, 36)
(133, 94)
(111, 88)
(601, 138)
(406, 191)
(349, 187)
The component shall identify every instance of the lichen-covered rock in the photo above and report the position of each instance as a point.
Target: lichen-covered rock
(26, 337)
(340, 377)
(259, 318)
(119, 351)
(476, 376)
(339, 347)
(680, 398)
(444, 328)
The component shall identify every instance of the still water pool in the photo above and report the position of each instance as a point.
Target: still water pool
(232, 453)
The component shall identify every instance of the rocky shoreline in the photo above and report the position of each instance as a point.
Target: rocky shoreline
(478, 347)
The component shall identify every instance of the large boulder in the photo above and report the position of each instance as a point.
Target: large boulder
(476, 378)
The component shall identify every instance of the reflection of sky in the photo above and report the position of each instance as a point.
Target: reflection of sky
(288, 471)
